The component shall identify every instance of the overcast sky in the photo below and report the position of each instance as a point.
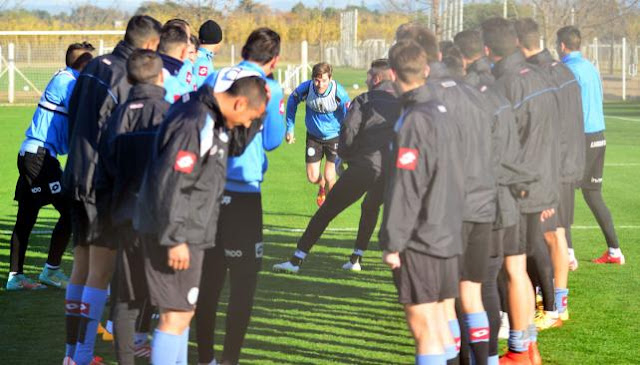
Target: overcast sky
(57, 6)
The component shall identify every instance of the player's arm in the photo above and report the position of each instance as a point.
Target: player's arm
(345, 102)
(415, 158)
(295, 98)
(349, 129)
(273, 129)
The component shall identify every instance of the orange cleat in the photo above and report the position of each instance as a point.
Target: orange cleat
(515, 358)
(322, 196)
(608, 259)
(534, 354)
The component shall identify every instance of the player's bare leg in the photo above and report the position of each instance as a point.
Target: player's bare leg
(521, 308)
(171, 337)
(316, 177)
(102, 262)
(423, 321)
(329, 175)
(560, 258)
(451, 331)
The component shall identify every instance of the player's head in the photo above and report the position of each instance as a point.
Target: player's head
(444, 47)
(321, 74)
(78, 55)
(263, 48)
(180, 23)
(145, 67)
(409, 64)
(243, 102)
(500, 38)
(528, 35)
(210, 35)
(453, 59)
(174, 42)
(422, 36)
(568, 40)
(379, 71)
(143, 32)
(194, 44)
(470, 44)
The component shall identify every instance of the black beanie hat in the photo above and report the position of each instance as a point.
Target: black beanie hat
(210, 33)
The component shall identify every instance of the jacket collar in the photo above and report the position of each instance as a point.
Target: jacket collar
(415, 96)
(173, 65)
(387, 86)
(571, 56)
(438, 70)
(123, 50)
(248, 65)
(205, 96)
(511, 63)
(206, 53)
(541, 58)
(146, 91)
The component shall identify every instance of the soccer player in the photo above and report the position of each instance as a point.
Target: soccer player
(40, 175)
(518, 82)
(210, 37)
(239, 243)
(125, 148)
(180, 198)
(568, 45)
(101, 86)
(424, 205)
(365, 135)
(467, 109)
(572, 157)
(174, 50)
(327, 103)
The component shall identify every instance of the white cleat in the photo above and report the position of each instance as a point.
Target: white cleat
(286, 267)
(573, 263)
(352, 267)
(503, 333)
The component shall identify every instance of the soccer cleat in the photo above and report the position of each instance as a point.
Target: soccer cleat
(286, 267)
(97, 360)
(503, 333)
(606, 258)
(515, 358)
(545, 320)
(322, 196)
(573, 263)
(22, 282)
(68, 361)
(142, 350)
(534, 354)
(564, 316)
(352, 266)
(101, 329)
(55, 278)
(106, 335)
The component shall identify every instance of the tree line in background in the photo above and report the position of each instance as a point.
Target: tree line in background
(317, 23)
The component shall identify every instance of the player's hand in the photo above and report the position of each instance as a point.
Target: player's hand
(392, 259)
(290, 138)
(546, 214)
(179, 257)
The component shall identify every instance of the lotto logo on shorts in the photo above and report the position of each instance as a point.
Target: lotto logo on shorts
(407, 158)
(259, 250)
(480, 334)
(311, 151)
(233, 253)
(185, 161)
(55, 187)
(36, 190)
(192, 295)
(203, 70)
(226, 200)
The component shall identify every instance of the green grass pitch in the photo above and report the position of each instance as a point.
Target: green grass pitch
(327, 316)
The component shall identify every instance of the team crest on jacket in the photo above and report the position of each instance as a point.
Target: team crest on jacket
(189, 77)
(185, 161)
(282, 107)
(407, 158)
(202, 71)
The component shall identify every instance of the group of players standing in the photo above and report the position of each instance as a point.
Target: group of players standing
(475, 157)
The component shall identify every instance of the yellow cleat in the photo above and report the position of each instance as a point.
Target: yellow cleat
(545, 320)
(565, 315)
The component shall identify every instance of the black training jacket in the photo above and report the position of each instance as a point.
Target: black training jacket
(505, 144)
(101, 86)
(125, 151)
(179, 200)
(424, 199)
(569, 121)
(468, 109)
(535, 106)
(367, 130)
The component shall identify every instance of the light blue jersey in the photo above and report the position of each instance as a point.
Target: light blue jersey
(325, 112)
(186, 76)
(591, 90)
(203, 66)
(49, 126)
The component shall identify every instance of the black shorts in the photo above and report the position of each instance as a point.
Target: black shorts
(594, 161)
(566, 206)
(531, 232)
(510, 241)
(425, 279)
(476, 242)
(84, 224)
(550, 224)
(317, 148)
(239, 236)
(40, 178)
(130, 282)
(170, 289)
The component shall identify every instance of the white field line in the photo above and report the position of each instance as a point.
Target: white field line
(621, 164)
(623, 118)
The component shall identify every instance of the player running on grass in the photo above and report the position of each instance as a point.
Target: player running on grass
(327, 104)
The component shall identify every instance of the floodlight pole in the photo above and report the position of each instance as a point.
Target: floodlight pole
(624, 68)
(504, 9)
(11, 66)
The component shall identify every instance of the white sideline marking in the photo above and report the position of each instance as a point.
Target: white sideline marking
(622, 164)
(623, 118)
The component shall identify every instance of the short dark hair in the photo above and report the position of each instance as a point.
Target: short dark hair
(570, 36)
(469, 42)
(528, 33)
(423, 36)
(262, 45)
(195, 41)
(179, 22)
(143, 67)
(320, 69)
(76, 51)
(408, 60)
(140, 29)
(380, 68)
(172, 36)
(452, 58)
(251, 87)
(500, 36)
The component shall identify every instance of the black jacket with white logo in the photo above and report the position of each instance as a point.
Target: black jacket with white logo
(101, 86)
(179, 200)
(125, 151)
(424, 199)
(468, 109)
(367, 130)
(569, 121)
(533, 99)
